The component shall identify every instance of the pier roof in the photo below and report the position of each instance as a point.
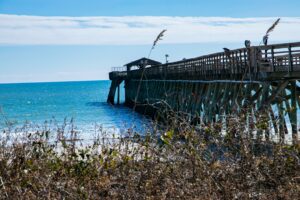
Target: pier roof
(142, 62)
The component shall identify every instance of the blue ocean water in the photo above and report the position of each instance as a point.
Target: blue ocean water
(85, 102)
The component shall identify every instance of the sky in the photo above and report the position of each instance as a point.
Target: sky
(74, 40)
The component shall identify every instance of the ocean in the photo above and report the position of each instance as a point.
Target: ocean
(32, 106)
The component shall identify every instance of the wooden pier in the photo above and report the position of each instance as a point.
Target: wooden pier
(263, 79)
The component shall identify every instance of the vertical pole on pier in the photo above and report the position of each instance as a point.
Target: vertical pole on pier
(290, 59)
(118, 94)
(273, 59)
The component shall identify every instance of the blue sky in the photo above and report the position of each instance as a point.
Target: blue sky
(232, 8)
(64, 40)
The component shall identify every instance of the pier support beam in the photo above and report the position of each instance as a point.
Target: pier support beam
(293, 110)
(115, 84)
(276, 102)
(118, 102)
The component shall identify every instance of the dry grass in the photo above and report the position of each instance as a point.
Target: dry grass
(186, 162)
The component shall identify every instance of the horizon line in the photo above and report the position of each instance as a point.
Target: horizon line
(67, 81)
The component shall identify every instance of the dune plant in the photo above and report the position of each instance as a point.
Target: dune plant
(175, 161)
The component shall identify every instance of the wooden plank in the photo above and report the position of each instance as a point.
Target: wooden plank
(293, 112)
(213, 101)
(265, 95)
(281, 122)
(273, 120)
(276, 93)
(118, 102)
(206, 100)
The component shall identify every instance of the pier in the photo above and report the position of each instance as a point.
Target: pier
(258, 80)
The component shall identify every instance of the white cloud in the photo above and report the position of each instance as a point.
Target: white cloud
(41, 30)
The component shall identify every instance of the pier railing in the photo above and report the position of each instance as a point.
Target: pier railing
(233, 64)
(118, 69)
(117, 73)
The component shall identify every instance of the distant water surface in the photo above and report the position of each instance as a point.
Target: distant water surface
(85, 102)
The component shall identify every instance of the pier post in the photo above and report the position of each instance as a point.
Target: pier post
(118, 94)
(293, 111)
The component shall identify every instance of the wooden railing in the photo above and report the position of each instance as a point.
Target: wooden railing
(281, 57)
(118, 69)
(234, 64)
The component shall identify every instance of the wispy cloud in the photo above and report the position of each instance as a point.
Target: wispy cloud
(41, 30)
